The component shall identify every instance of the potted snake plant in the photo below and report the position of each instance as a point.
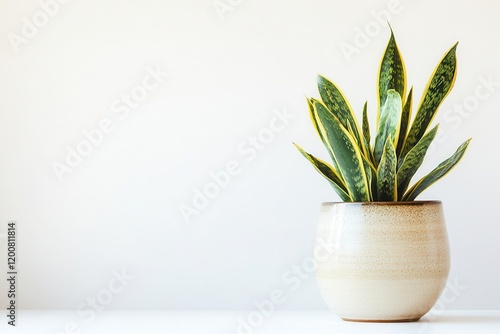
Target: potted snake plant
(380, 254)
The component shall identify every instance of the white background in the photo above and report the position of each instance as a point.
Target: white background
(119, 209)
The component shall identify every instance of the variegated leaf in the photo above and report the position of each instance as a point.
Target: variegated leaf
(438, 87)
(336, 102)
(386, 174)
(392, 73)
(366, 124)
(328, 173)
(371, 177)
(405, 122)
(413, 161)
(441, 170)
(312, 114)
(346, 152)
(366, 133)
(390, 117)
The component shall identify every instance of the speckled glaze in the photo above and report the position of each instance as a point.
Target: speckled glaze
(381, 261)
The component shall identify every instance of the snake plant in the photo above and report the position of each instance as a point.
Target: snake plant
(365, 169)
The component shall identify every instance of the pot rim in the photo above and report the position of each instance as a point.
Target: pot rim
(407, 203)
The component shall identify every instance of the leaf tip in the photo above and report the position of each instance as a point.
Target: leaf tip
(394, 93)
(454, 48)
(390, 28)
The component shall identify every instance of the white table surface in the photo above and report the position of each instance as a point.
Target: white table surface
(226, 322)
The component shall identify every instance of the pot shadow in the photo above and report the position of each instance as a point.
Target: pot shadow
(462, 319)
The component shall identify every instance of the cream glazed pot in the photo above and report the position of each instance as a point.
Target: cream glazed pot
(381, 261)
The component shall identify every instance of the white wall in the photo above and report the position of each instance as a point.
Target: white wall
(119, 209)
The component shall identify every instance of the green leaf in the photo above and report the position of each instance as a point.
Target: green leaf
(371, 177)
(390, 116)
(370, 153)
(438, 87)
(312, 114)
(405, 122)
(346, 152)
(366, 134)
(441, 170)
(413, 161)
(310, 103)
(366, 125)
(386, 174)
(336, 102)
(328, 173)
(392, 73)
(351, 131)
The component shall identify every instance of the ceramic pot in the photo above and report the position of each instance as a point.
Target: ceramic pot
(381, 261)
